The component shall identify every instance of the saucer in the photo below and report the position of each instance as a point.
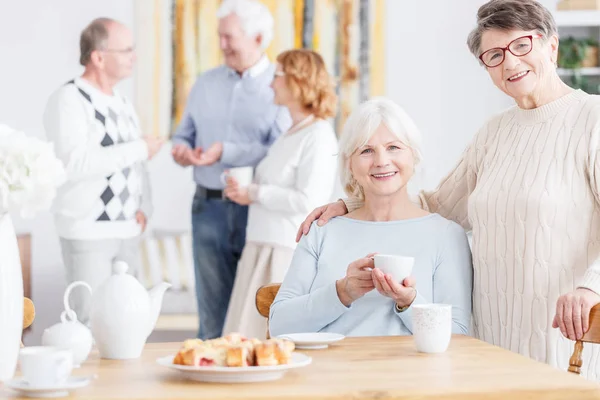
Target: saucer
(312, 341)
(62, 390)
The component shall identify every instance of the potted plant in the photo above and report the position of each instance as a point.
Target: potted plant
(575, 54)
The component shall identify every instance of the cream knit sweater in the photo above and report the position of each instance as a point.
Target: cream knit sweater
(528, 187)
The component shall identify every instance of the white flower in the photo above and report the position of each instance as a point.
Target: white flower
(29, 173)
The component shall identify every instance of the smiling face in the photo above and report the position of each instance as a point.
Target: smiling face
(527, 75)
(384, 165)
(240, 50)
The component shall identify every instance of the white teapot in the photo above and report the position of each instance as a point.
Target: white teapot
(69, 334)
(123, 313)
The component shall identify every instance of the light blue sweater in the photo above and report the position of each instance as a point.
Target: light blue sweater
(308, 302)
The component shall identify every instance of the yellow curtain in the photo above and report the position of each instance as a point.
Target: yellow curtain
(377, 48)
(154, 71)
(349, 40)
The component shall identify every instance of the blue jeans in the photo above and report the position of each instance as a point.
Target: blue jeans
(219, 234)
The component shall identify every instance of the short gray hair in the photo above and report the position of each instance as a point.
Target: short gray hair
(256, 18)
(505, 15)
(360, 127)
(93, 37)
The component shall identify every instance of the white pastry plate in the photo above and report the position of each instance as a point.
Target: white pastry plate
(25, 389)
(236, 374)
(311, 341)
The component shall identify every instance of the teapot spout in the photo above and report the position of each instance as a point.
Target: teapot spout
(156, 297)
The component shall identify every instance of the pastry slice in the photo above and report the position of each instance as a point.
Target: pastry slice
(210, 356)
(251, 344)
(178, 359)
(185, 357)
(238, 356)
(265, 354)
(283, 350)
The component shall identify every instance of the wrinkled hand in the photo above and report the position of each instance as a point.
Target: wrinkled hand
(185, 156)
(211, 155)
(403, 293)
(235, 193)
(573, 312)
(141, 219)
(323, 214)
(357, 282)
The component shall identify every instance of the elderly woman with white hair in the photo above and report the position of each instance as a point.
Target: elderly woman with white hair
(332, 284)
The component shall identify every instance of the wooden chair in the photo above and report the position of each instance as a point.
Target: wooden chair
(264, 298)
(591, 336)
(28, 314)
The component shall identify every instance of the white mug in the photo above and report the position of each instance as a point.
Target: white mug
(432, 327)
(398, 267)
(243, 175)
(45, 366)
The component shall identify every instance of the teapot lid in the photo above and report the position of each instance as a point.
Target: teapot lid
(120, 289)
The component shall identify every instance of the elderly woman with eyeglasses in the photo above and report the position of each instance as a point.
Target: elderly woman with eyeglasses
(528, 187)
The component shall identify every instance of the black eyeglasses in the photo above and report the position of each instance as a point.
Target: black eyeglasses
(519, 47)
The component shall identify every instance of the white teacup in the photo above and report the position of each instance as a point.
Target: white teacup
(243, 175)
(432, 327)
(399, 267)
(45, 366)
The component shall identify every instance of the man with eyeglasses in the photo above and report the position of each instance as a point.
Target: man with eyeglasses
(104, 207)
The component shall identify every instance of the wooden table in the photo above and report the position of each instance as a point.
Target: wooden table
(355, 368)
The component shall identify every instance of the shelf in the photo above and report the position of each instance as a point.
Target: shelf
(577, 18)
(583, 71)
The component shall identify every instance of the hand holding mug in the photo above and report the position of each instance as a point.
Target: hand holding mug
(403, 293)
(234, 192)
(357, 282)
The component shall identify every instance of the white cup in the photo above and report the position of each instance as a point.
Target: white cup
(45, 366)
(398, 267)
(243, 175)
(432, 327)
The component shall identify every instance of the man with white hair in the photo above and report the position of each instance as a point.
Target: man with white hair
(104, 206)
(230, 121)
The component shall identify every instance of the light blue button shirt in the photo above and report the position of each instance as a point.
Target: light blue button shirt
(235, 110)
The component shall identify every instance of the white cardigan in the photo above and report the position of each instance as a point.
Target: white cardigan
(297, 175)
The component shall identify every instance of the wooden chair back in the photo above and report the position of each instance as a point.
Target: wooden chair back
(591, 336)
(264, 298)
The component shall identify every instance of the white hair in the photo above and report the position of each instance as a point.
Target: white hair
(361, 126)
(256, 18)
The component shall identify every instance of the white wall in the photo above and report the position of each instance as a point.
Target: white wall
(429, 71)
(39, 41)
